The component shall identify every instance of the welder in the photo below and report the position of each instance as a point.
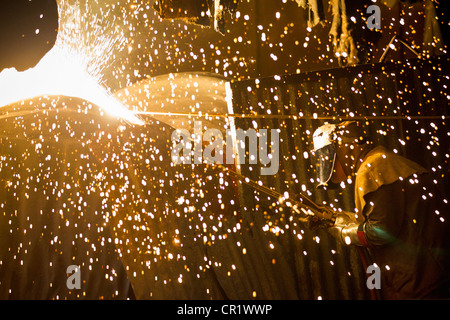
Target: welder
(400, 213)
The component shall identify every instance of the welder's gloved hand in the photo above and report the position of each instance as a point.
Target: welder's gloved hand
(313, 222)
(345, 229)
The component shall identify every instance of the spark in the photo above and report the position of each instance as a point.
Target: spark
(68, 69)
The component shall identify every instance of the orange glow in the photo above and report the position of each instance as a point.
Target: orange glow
(72, 68)
(60, 72)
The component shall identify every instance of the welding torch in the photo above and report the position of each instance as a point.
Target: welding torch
(307, 210)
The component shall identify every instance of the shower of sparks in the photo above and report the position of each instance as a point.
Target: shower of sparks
(72, 68)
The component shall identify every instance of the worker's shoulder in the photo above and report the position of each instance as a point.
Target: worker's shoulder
(379, 157)
(381, 167)
(387, 167)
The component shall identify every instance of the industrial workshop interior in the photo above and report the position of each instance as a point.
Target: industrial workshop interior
(224, 150)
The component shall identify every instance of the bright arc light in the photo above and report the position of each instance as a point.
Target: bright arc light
(60, 72)
(72, 67)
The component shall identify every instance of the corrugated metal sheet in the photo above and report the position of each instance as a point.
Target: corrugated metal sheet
(51, 211)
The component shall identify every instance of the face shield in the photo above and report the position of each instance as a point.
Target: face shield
(329, 137)
(326, 158)
(325, 153)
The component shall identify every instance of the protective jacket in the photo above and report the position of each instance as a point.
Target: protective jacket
(404, 225)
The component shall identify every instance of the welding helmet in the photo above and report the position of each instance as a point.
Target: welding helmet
(325, 152)
(326, 139)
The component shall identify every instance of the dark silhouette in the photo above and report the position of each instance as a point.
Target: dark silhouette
(28, 30)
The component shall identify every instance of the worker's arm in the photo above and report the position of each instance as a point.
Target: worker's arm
(383, 212)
